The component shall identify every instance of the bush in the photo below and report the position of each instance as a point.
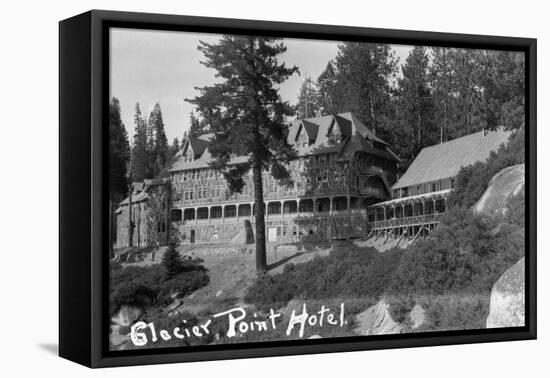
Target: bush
(451, 274)
(144, 286)
(348, 271)
(171, 260)
(473, 180)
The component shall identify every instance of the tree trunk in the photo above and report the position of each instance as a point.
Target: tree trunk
(261, 260)
(130, 222)
(373, 120)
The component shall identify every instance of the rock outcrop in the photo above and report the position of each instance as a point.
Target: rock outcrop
(376, 320)
(508, 182)
(126, 316)
(507, 306)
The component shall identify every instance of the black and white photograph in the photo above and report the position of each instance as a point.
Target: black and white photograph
(268, 189)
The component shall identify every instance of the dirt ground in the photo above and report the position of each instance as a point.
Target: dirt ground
(231, 268)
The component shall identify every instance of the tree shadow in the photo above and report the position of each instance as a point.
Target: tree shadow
(283, 261)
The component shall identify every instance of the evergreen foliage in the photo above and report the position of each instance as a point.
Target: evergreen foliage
(247, 116)
(119, 153)
(140, 150)
(440, 93)
(172, 261)
(308, 100)
(159, 149)
(197, 127)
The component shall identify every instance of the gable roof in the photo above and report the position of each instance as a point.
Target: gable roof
(140, 190)
(199, 144)
(356, 137)
(311, 129)
(444, 160)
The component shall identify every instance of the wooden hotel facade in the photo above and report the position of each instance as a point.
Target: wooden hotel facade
(419, 196)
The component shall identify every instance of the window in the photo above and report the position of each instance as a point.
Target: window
(163, 227)
(175, 215)
(452, 183)
(294, 230)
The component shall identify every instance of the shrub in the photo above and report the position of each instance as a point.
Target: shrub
(473, 180)
(171, 260)
(348, 271)
(144, 286)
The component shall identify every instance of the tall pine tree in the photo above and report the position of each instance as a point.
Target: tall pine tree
(158, 149)
(327, 90)
(363, 74)
(119, 156)
(119, 153)
(140, 148)
(443, 83)
(416, 104)
(198, 127)
(308, 104)
(249, 116)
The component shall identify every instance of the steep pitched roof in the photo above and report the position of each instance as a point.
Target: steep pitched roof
(199, 144)
(140, 189)
(357, 137)
(311, 129)
(444, 160)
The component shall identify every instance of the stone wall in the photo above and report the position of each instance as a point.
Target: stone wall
(289, 230)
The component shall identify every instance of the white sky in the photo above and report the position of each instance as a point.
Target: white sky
(149, 66)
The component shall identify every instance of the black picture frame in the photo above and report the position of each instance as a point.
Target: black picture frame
(83, 109)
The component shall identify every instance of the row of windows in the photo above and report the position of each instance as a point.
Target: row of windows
(435, 186)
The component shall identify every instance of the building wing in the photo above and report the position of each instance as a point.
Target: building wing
(445, 160)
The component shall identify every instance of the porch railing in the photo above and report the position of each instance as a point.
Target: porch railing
(416, 220)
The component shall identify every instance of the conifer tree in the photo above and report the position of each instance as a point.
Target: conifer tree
(140, 151)
(363, 73)
(119, 156)
(442, 82)
(174, 148)
(308, 104)
(172, 261)
(119, 153)
(196, 126)
(416, 103)
(247, 116)
(158, 149)
(327, 90)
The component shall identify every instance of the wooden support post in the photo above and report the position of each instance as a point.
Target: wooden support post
(400, 238)
(370, 234)
(418, 233)
(390, 234)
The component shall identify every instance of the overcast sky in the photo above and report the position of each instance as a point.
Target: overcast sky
(160, 66)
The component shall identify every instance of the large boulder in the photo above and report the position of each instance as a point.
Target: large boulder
(507, 306)
(376, 320)
(506, 183)
(126, 316)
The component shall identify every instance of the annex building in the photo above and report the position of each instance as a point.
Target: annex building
(419, 196)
